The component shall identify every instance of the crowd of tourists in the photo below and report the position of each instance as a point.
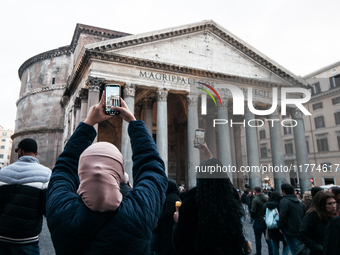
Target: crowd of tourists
(91, 208)
(310, 225)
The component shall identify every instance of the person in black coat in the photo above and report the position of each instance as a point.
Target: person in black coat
(313, 227)
(209, 219)
(331, 245)
(166, 221)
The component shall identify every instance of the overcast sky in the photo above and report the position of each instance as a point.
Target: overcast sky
(300, 35)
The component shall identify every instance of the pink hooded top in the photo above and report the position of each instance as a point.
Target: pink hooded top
(100, 170)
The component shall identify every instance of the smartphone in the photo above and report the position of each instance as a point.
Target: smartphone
(199, 137)
(112, 98)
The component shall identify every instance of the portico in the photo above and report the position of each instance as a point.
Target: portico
(159, 73)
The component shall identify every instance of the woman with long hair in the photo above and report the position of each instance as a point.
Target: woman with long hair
(323, 208)
(209, 220)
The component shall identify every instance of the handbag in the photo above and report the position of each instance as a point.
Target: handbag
(302, 249)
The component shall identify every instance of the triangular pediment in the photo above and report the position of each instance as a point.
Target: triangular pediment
(203, 46)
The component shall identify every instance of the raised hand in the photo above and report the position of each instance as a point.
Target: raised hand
(125, 112)
(96, 113)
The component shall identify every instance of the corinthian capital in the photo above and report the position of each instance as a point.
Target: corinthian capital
(162, 95)
(296, 113)
(274, 115)
(83, 94)
(94, 83)
(224, 105)
(192, 100)
(130, 90)
(148, 103)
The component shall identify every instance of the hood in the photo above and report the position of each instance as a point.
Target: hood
(292, 198)
(172, 187)
(272, 205)
(262, 197)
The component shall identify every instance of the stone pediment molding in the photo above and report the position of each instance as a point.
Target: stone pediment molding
(81, 28)
(40, 90)
(207, 26)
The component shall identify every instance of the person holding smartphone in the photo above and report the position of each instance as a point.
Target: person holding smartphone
(86, 213)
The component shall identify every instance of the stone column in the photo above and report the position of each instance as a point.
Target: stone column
(238, 154)
(147, 113)
(301, 151)
(211, 135)
(129, 98)
(83, 94)
(94, 84)
(193, 153)
(77, 104)
(224, 137)
(162, 125)
(280, 177)
(252, 150)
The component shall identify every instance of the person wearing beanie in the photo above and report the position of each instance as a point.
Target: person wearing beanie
(86, 212)
(23, 187)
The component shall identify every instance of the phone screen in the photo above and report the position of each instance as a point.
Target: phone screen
(199, 137)
(112, 98)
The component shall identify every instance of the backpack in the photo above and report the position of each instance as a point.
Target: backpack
(271, 218)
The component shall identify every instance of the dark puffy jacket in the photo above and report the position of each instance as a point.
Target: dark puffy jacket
(75, 229)
(291, 214)
(257, 207)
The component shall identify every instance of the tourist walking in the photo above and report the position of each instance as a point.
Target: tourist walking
(291, 214)
(23, 187)
(259, 226)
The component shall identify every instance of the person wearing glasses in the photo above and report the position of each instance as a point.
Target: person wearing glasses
(313, 228)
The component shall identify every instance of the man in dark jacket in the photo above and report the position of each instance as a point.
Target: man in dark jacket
(23, 187)
(291, 214)
(259, 225)
(75, 228)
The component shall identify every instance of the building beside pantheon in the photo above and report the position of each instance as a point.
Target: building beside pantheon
(159, 72)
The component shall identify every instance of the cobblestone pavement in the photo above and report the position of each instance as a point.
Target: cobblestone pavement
(46, 247)
(45, 242)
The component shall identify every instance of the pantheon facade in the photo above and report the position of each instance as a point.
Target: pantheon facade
(160, 73)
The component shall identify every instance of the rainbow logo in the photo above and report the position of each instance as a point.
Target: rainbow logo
(209, 93)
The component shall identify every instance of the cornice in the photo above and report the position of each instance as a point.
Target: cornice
(36, 91)
(145, 63)
(37, 131)
(321, 70)
(213, 28)
(42, 56)
(322, 95)
(80, 28)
